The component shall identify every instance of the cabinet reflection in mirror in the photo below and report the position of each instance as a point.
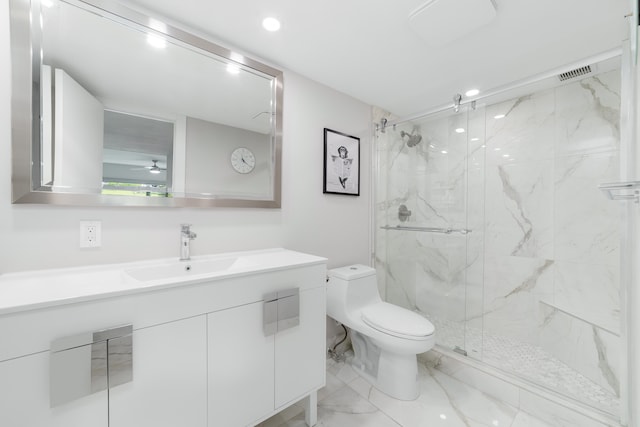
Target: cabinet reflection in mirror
(121, 109)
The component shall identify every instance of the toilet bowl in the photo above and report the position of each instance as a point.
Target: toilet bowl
(386, 338)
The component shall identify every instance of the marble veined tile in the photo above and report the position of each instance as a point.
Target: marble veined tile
(338, 373)
(556, 415)
(524, 132)
(440, 275)
(444, 401)
(588, 115)
(400, 269)
(523, 419)
(591, 351)
(487, 383)
(519, 209)
(513, 288)
(586, 222)
(345, 408)
(590, 292)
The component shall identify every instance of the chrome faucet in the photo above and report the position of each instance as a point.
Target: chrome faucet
(186, 235)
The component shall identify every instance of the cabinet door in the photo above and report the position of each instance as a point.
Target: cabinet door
(24, 398)
(169, 386)
(240, 367)
(300, 354)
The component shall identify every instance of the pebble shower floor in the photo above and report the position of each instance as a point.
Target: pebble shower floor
(528, 362)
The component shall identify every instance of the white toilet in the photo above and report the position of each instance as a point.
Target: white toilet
(386, 338)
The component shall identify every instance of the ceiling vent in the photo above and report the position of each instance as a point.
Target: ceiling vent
(578, 72)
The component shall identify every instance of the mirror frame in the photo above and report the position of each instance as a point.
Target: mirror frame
(25, 106)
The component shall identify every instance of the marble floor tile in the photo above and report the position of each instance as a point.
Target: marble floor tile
(523, 419)
(350, 401)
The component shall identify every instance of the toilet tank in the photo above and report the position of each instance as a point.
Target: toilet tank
(350, 288)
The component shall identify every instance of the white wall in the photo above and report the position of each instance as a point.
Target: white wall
(208, 166)
(79, 134)
(37, 237)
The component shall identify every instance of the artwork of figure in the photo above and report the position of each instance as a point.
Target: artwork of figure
(342, 165)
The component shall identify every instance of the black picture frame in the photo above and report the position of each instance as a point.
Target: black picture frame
(341, 163)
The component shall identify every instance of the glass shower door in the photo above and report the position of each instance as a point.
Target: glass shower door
(426, 216)
(491, 224)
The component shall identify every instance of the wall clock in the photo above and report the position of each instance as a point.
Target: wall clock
(243, 160)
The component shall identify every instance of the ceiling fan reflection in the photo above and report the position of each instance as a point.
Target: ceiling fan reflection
(153, 168)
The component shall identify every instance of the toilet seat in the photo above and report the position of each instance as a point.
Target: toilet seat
(397, 321)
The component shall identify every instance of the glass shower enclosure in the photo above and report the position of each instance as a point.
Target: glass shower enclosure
(490, 223)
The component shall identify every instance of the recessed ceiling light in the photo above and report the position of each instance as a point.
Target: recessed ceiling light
(233, 69)
(271, 24)
(499, 116)
(47, 3)
(156, 41)
(460, 130)
(475, 139)
(472, 92)
(444, 151)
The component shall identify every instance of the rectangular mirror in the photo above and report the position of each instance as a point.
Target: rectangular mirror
(113, 107)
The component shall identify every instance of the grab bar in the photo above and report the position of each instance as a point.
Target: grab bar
(611, 190)
(426, 229)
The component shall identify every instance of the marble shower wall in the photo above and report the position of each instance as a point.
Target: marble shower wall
(541, 262)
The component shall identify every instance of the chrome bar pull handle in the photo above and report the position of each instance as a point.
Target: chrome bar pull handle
(120, 360)
(270, 314)
(89, 362)
(288, 309)
(281, 311)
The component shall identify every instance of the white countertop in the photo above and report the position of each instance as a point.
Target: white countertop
(44, 288)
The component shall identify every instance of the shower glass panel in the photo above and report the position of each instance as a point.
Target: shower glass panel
(493, 227)
(427, 246)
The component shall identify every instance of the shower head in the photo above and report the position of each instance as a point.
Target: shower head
(414, 139)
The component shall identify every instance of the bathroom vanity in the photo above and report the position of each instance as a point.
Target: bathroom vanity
(226, 340)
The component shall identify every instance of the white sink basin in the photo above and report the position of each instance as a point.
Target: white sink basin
(178, 269)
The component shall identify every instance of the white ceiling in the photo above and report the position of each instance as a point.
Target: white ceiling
(365, 48)
(122, 70)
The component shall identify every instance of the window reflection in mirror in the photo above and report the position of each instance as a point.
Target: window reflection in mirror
(137, 155)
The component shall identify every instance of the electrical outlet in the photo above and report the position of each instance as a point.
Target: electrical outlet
(90, 234)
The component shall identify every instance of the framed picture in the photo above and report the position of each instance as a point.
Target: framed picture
(341, 163)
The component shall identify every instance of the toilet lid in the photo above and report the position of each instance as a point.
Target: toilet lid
(397, 321)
